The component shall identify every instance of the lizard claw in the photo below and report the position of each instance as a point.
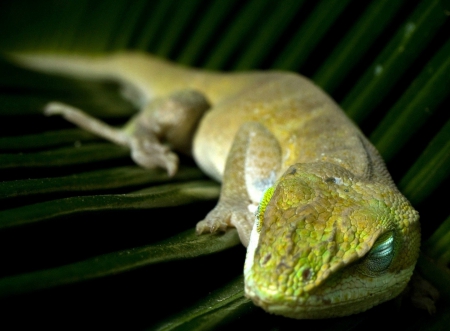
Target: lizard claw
(211, 225)
(217, 220)
(225, 216)
(151, 154)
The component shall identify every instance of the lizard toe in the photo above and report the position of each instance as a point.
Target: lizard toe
(225, 216)
(213, 224)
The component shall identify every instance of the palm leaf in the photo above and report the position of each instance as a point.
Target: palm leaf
(90, 238)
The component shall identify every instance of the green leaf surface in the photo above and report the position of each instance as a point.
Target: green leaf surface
(64, 156)
(205, 30)
(169, 195)
(430, 169)
(120, 177)
(171, 34)
(153, 24)
(395, 59)
(109, 18)
(416, 105)
(438, 274)
(45, 140)
(275, 25)
(216, 309)
(247, 17)
(123, 31)
(186, 245)
(437, 245)
(356, 43)
(30, 91)
(309, 34)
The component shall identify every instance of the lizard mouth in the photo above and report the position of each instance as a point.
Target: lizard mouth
(332, 303)
(310, 308)
(319, 311)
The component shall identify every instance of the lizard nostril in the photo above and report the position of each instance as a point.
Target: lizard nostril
(306, 274)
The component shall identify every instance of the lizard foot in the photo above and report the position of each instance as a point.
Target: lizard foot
(55, 108)
(151, 154)
(224, 216)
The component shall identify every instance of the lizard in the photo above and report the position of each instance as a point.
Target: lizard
(327, 231)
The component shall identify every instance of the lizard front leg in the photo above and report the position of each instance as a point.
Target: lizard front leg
(253, 164)
(163, 125)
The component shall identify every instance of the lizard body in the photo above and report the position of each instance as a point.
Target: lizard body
(332, 235)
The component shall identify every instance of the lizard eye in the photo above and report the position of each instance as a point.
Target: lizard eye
(380, 256)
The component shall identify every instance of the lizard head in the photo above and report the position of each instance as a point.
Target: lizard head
(327, 243)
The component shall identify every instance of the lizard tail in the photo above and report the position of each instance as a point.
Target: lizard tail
(142, 76)
(79, 66)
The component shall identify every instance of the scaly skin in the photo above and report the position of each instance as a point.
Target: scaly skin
(333, 236)
(311, 259)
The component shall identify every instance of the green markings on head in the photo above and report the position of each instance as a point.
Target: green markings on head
(325, 238)
(262, 207)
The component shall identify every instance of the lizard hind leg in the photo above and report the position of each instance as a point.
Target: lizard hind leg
(253, 164)
(172, 119)
(166, 124)
(162, 125)
(86, 122)
(149, 153)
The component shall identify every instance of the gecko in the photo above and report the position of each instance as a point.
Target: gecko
(327, 232)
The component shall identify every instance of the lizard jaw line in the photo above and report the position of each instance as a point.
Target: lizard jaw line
(318, 307)
(294, 307)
